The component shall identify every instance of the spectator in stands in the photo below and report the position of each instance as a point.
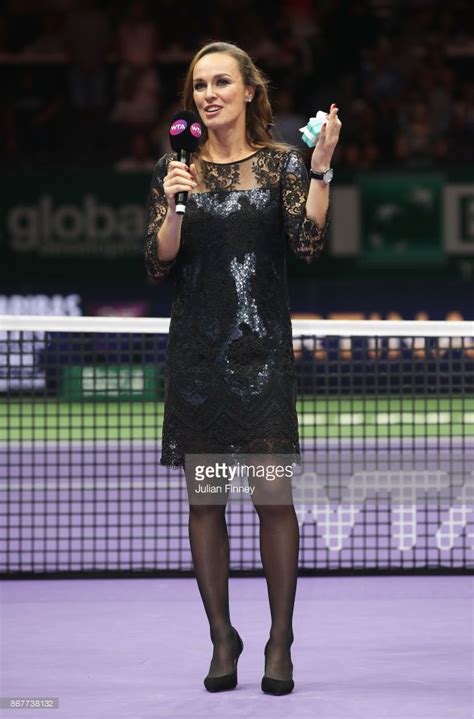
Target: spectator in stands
(140, 158)
(438, 85)
(414, 143)
(468, 104)
(286, 121)
(385, 130)
(360, 155)
(300, 19)
(88, 41)
(383, 77)
(36, 117)
(50, 38)
(3, 33)
(461, 136)
(137, 98)
(137, 37)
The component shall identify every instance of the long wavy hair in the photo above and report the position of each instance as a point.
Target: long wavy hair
(259, 116)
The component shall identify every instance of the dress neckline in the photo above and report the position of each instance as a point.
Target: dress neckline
(234, 162)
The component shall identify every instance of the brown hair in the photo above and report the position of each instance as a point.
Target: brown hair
(259, 118)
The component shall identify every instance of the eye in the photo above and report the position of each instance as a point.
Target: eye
(198, 85)
(222, 81)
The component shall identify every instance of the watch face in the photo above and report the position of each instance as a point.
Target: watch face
(328, 175)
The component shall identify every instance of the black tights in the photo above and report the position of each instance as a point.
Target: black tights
(279, 546)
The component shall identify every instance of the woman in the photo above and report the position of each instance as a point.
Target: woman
(230, 381)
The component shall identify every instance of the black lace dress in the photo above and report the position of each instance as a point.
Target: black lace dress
(230, 383)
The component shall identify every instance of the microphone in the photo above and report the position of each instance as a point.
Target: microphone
(185, 135)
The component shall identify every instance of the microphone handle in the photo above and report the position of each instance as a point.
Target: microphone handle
(182, 197)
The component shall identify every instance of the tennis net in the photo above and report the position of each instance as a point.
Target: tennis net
(386, 417)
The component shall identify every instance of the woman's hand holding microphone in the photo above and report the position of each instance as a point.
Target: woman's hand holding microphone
(180, 178)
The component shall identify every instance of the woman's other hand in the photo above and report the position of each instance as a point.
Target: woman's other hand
(327, 141)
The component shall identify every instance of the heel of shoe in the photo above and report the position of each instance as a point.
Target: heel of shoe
(240, 644)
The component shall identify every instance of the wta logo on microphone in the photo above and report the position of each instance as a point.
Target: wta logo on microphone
(195, 129)
(179, 126)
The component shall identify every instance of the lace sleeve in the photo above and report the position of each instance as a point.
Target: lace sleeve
(305, 236)
(157, 208)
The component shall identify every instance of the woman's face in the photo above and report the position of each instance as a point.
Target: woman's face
(219, 91)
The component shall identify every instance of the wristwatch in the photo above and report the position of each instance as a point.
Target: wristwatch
(325, 176)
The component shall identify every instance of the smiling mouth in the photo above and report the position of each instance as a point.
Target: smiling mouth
(212, 110)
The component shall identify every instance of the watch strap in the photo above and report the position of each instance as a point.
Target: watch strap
(317, 175)
(325, 176)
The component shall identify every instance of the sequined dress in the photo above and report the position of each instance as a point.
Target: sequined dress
(230, 384)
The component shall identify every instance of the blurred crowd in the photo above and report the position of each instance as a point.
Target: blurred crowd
(92, 83)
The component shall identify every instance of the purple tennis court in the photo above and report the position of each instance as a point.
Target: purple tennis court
(366, 647)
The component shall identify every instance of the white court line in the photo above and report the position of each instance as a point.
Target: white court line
(369, 418)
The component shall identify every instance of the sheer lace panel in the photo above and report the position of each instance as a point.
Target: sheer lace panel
(241, 175)
(306, 237)
(158, 207)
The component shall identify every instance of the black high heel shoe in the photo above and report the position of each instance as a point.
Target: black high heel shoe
(226, 681)
(277, 687)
